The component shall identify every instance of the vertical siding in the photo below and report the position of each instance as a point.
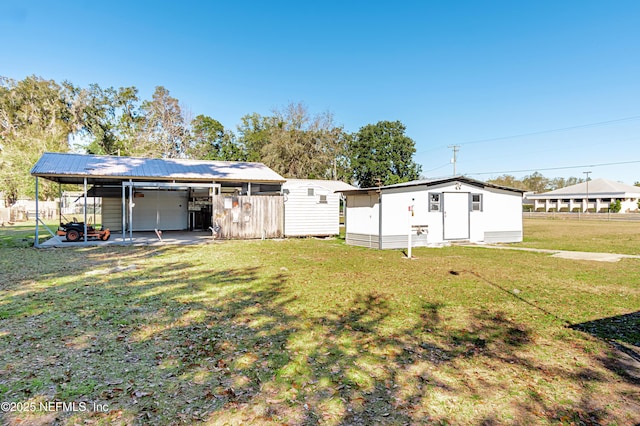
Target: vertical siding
(112, 213)
(247, 217)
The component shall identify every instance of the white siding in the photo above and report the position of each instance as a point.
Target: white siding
(112, 213)
(502, 216)
(306, 215)
(499, 220)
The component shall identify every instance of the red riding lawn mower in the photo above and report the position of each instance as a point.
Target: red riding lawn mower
(74, 231)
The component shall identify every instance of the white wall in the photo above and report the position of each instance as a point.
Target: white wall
(305, 215)
(362, 214)
(500, 219)
(164, 210)
(502, 211)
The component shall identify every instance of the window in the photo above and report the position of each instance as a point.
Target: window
(476, 202)
(434, 202)
(322, 199)
(310, 192)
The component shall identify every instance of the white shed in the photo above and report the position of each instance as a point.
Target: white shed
(312, 207)
(436, 211)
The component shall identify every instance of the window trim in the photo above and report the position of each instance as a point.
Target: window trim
(479, 203)
(434, 203)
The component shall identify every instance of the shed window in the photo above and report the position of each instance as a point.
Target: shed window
(434, 202)
(476, 202)
(322, 199)
(310, 192)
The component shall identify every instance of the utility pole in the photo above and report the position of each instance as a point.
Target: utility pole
(587, 173)
(455, 148)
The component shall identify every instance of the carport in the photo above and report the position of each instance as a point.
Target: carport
(145, 194)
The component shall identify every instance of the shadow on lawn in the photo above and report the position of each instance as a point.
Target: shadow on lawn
(623, 332)
(183, 342)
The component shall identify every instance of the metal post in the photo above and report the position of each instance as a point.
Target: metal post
(130, 211)
(587, 173)
(36, 243)
(124, 213)
(84, 187)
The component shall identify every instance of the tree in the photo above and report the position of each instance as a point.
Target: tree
(382, 154)
(210, 141)
(536, 182)
(162, 131)
(253, 134)
(106, 116)
(507, 180)
(34, 118)
(295, 143)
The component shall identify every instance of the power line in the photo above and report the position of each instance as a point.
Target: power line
(556, 168)
(540, 132)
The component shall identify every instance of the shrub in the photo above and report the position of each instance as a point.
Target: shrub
(616, 206)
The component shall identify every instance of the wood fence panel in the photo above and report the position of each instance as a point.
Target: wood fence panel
(247, 217)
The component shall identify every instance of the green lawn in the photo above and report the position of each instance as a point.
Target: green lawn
(593, 235)
(309, 331)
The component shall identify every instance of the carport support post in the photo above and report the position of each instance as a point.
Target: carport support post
(36, 243)
(130, 210)
(84, 188)
(124, 214)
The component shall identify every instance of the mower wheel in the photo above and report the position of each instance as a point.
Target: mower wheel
(73, 235)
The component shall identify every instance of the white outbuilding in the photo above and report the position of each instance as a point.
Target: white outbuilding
(312, 207)
(433, 212)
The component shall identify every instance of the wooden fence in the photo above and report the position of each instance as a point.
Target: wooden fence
(247, 217)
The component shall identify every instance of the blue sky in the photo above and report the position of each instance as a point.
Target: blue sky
(562, 76)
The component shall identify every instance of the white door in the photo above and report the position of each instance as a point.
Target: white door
(456, 215)
(158, 209)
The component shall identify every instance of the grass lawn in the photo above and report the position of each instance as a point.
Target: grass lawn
(592, 235)
(309, 331)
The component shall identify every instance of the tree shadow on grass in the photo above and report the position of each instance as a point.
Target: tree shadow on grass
(180, 341)
(623, 333)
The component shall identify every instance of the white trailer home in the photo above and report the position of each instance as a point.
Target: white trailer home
(434, 212)
(312, 207)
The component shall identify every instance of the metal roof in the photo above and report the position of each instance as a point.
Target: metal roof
(73, 168)
(433, 182)
(598, 188)
(332, 185)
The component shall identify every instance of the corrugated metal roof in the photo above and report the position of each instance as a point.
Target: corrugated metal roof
(332, 185)
(602, 188)
(73, 168)
(432, 182)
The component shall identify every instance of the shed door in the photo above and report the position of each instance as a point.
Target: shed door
(456, 215)
(158, 209)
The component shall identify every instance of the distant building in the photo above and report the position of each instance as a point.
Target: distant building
(595, 195)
